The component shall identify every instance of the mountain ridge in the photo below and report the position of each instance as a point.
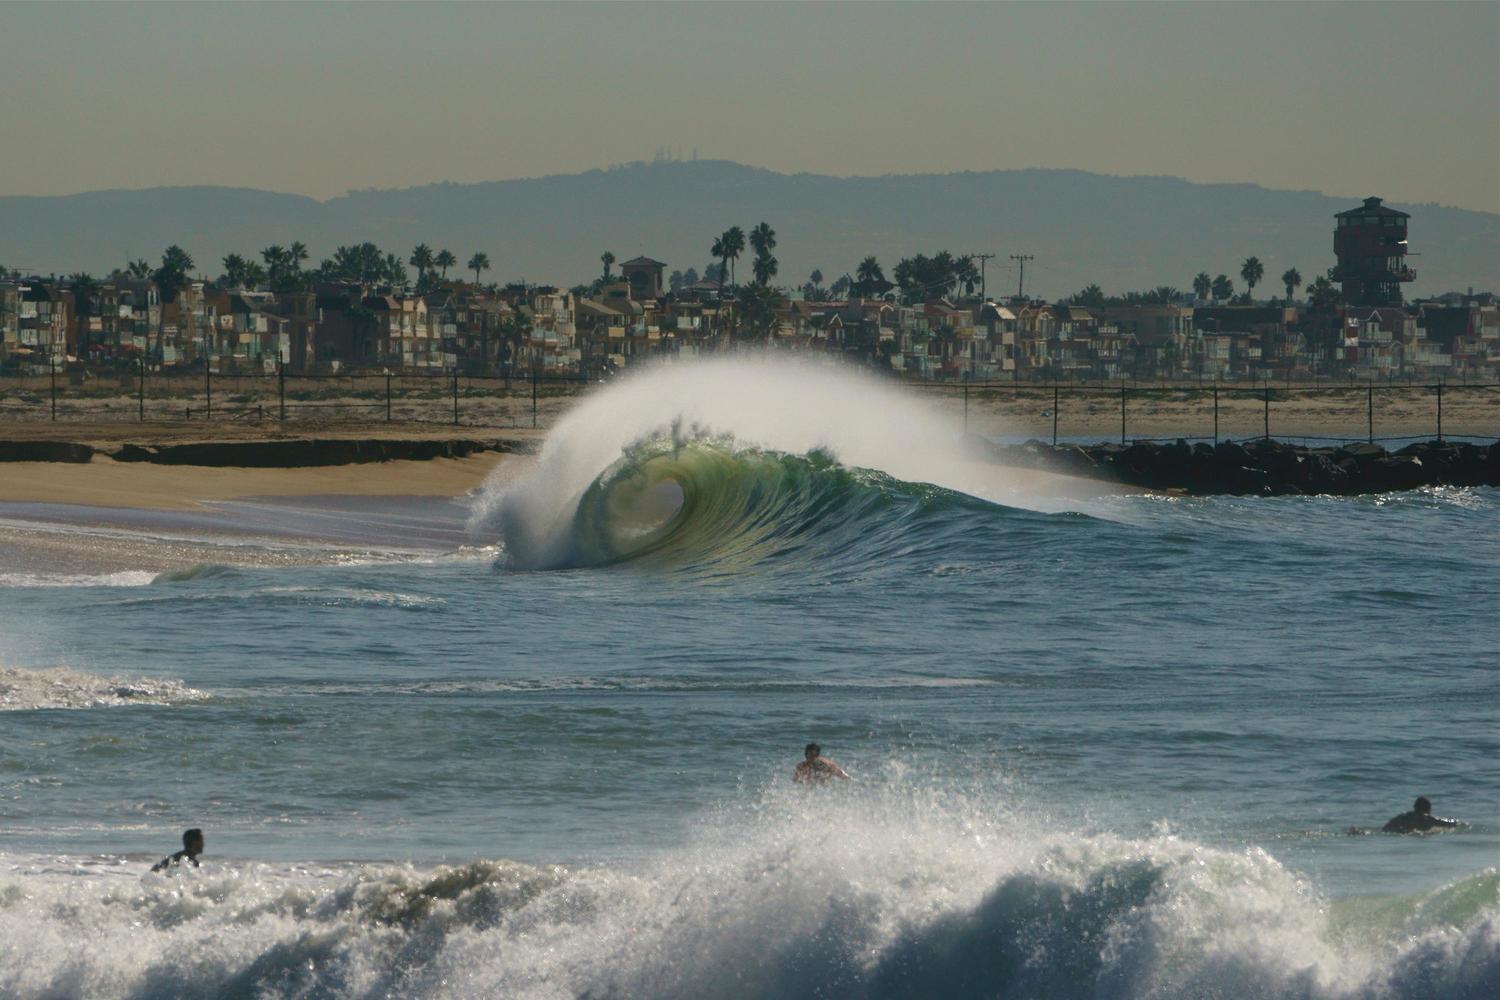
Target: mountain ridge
(1122, 232)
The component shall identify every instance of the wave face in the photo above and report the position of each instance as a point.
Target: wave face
(827, 895)
(730, 459)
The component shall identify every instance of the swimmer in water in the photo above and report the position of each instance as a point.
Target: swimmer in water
(1419, 820)
(192, 846)
(816, 769)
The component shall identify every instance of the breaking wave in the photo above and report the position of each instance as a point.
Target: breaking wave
(735, 460)
(23, 689)
(842, 897)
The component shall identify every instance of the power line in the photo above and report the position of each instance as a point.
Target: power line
(982, 257)
(1021, 283)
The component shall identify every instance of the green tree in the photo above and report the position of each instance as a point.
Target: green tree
(869, 278)
(1091, 297)
(734, 245)
(234, 270)
(1322, 320)
(1252, 270)
(608, 260)
(1202, 285)
(966, 273)
(254, 275)
(423, 260)
(1292, 280)
(479, 262)
(443, 260)
(1164, 295)
(756, 305)
(720, 249)
(1222, 288)
(763, 240)
(172, 276)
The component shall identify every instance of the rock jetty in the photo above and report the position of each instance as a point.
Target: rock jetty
(1261, 467)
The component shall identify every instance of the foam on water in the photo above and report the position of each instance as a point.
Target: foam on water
(836, 893)
(123, 578)
(24, 689)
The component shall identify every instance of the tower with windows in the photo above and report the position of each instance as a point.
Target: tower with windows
(1370, 243)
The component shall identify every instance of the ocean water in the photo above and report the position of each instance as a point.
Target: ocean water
(538, 742)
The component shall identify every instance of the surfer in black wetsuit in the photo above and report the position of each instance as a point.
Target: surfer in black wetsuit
(816, 769)
(1419, 820)
(192, 846)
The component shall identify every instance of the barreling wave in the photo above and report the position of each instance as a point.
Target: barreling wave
(725, 462)
(838, 898)
(707, 502)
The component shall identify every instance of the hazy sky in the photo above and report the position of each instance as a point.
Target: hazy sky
(1401, 100)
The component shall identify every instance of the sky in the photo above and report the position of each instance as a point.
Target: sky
(1350, 99)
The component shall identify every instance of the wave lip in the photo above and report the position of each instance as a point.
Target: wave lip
(23, 689)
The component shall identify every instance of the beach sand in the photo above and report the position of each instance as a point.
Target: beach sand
(107, 483)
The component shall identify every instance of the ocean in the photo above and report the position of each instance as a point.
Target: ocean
(538, 742)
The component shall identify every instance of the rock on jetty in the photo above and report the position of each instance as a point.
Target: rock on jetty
(1261, 467)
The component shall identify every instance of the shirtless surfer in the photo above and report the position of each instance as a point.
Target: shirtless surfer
(816, 769)
(192, 846)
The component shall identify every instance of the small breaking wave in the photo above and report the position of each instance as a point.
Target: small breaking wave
(857, 895)
(123, 578)
(22, 689)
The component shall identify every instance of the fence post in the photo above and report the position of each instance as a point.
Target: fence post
(1054, 414)
(281, 384)
(208, 391)
(455, 396)
(1216, 410)
(1370, 414)
(54, 386)
(1268, 410)
(1440, 410)
(966, 407)
(387, 397)
(1122, 412)
(141, 391)
(533, 397)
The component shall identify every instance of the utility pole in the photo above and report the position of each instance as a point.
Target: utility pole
(1022, 258)
(982, 257)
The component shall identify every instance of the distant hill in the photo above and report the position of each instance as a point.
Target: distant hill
(1121, 232)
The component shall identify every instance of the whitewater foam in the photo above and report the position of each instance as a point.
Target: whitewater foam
(865, 894)
(23, 689)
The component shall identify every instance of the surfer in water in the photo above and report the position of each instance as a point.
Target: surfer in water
(1419, 820)
(815, 769)
(192, 846)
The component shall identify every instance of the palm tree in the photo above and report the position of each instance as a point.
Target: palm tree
(1252, 270)
(444, 260)
(609, 261)
(734, 245)
(1292, 280)
(422, 260)
(479, 262)
(253, 276)
(1222, 288)
(296, 254)
(966, 274)
(138, 269)
(869, 276)
(1202, 284)
(1322, 317)
(720, 249)
(234, 270)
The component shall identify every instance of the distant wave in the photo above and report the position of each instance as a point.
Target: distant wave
(61, 687)
(829, 895)
(123, 578)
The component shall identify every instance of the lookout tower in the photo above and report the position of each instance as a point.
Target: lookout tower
(1370, 243)
(644, 275)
